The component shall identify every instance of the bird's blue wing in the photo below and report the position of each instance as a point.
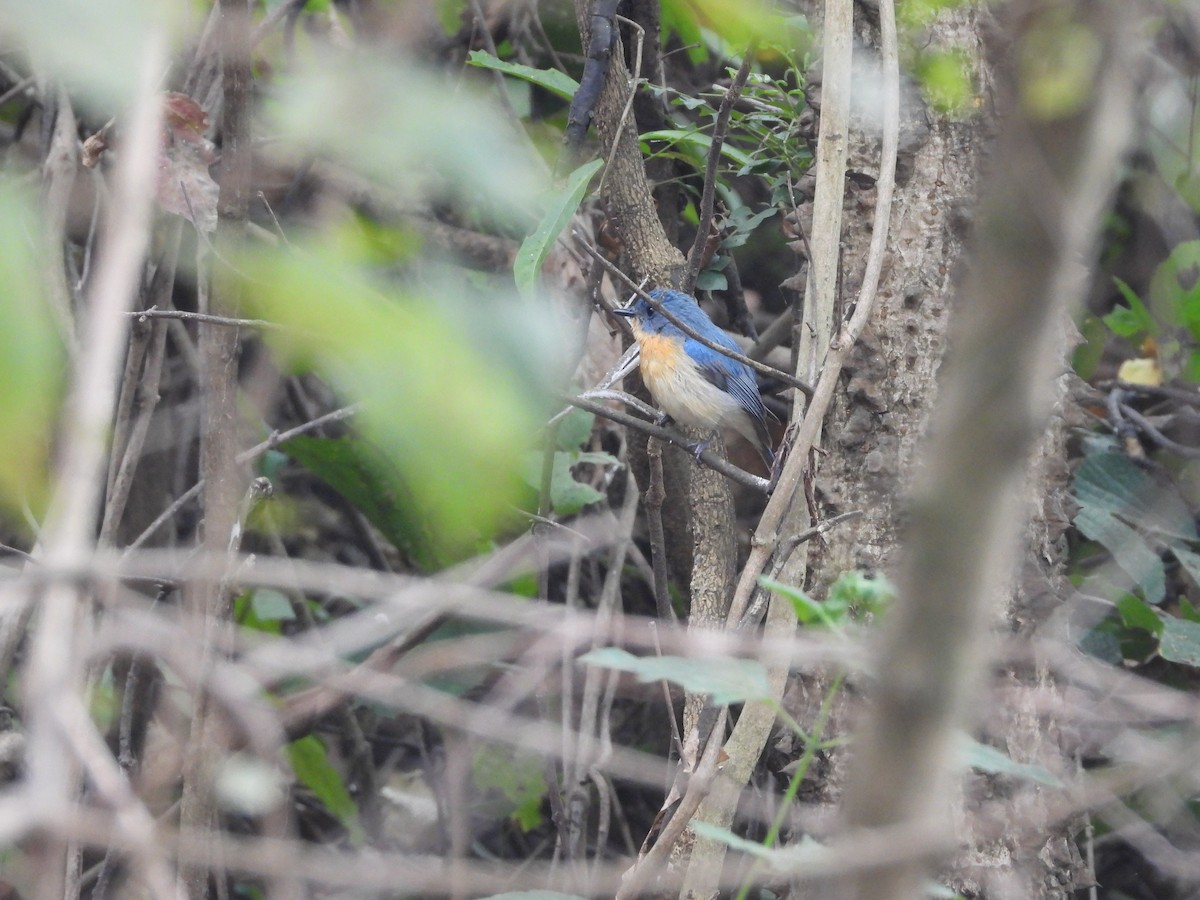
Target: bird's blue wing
(731, 376)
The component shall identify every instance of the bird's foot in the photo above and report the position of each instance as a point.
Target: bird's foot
(698, 448)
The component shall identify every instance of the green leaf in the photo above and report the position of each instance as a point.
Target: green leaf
(551, 79)
(31, 356)
(371, 483)
(1180, 641)
(271, 606)
(311, 764)
(736, 842)
(1132, 321)
(1175, 287)
(947, 79)
(858, 591)
(989, 759)
(514, 777)
(734, 23)
(807, 609)
(1112, 491)
(453, 385)
(97, 48)
(1187, 611)
(567, 496)
(359, 110)
(559, 209)
(727, 680)
(1189, 560)
(1137, 613)
(711, 280)
(574, 429)
(696, 139)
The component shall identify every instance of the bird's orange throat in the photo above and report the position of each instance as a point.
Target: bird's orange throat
(660, 356)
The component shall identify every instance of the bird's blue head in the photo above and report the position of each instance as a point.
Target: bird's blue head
(678, 304)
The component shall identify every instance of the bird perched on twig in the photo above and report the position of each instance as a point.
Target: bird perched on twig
(694, 384)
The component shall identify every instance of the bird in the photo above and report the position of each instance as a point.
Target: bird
(693, 384)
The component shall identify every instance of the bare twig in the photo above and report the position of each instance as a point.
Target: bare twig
(276, 439)
(711, 459)
(52, 668)
(708, 194)
(205, 318)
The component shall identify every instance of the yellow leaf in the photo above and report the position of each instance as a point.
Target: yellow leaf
(1145, 370)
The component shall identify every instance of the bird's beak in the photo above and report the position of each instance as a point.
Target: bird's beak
(627, 313)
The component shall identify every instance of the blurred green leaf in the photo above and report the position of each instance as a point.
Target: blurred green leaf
(552, 80)
(728, 680)
(453, 385)
(1132, 320)
(698, 140)
(735, 22)
(96, 48)
(567, 495)
(947, 77)
(270, 605)
(994, 762)
(808, 611)
(1180, 641)
(1056, 65)
(31, 356)
(360, 110)
(710, 280)
(1137, 613)
(559, 209)
(311, 764)
(1112, 491)
(1175, 287)
(855, 590)
(515, 776)
(574, 429)
(372, 483)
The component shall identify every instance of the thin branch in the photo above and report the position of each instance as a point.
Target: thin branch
(708, 195)
(708, 457)
(206, 318)
(276, 439)
(52, 667)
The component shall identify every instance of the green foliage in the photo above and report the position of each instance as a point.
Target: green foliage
(723, 26)
(31, 356)
(1112, 492)
(311, 764)
(1171, 315)
(1057, 66)
(451, 396)
(263, 609)
(560, 206)
(514, 778)
(360, 110)
(556, 82)
(947, 77)
(371, 482)
(854, 593)
(96, 48)
(727, 680)
(567, 495)
(1133, 320)
(994, 762)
